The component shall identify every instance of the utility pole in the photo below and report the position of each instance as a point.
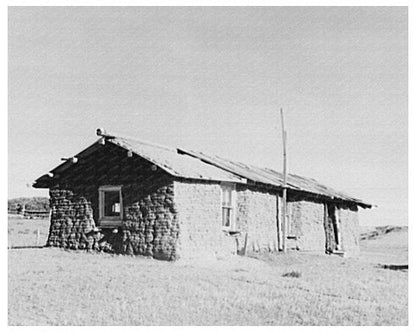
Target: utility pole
(284, 203)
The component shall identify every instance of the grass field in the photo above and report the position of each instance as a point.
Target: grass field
(51, 286)
(23, 232)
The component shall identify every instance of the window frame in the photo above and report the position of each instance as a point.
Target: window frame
(289, 219)
(232, 207)
(109, 220)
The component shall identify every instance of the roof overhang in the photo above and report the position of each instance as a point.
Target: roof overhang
(194, 165)
(184, 166)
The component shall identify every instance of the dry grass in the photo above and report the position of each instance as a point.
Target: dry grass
(55, 287)
(22, 232)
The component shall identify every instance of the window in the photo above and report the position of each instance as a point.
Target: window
(290, 220)
(228, 206)
(111, 205)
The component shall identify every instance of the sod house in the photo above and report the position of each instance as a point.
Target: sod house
(134, 197)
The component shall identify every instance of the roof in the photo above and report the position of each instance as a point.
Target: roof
(271, 177)
(174, 163)
(197, 165)
(166, 158)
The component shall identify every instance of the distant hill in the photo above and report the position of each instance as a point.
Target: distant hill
(381, 230)
(30, 203)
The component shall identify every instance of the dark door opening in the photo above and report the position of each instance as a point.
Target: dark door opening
(331, 226)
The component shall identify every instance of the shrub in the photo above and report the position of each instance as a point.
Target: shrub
(292, 274)
(30, 203)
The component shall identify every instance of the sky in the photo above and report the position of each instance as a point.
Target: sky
(213, 79)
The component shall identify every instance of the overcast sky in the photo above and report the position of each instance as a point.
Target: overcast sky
(213, 79)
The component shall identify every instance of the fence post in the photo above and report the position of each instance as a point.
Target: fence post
(37, 236)
(9, 240)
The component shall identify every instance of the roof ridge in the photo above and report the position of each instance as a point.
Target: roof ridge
(145, 142)
(242, 169)
(233, 161)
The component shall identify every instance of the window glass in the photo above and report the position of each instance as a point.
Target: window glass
(226, 217)
(227, 193)
(111, 204)
(226, 196)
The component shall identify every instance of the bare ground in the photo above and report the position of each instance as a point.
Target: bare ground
(51, 286)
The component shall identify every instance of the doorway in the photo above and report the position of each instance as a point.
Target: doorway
(332, 231)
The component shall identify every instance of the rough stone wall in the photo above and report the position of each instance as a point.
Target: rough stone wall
(294, 223)
(72, 223)
(307, 225)
(307, 220)
(198, 206)
(167, 219)
(294, 218)
(242, 209)
(350, 231)
(256, 216)
(149, 226)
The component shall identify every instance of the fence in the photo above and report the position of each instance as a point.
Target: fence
(30, 214)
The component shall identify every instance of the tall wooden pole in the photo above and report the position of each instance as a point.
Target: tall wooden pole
(284, 218)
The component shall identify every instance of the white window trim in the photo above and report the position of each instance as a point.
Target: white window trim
(233, 206)
(107, 220)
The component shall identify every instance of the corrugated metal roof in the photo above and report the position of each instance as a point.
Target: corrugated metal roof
(166, 158)
(271, 177)
(174, 163)
(197, 165)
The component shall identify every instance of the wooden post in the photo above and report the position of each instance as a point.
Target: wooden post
(326, 228)
(245, 244)
(9, 238)
(337, 230)
(37, 236)
(284, 202)
(279, 222)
